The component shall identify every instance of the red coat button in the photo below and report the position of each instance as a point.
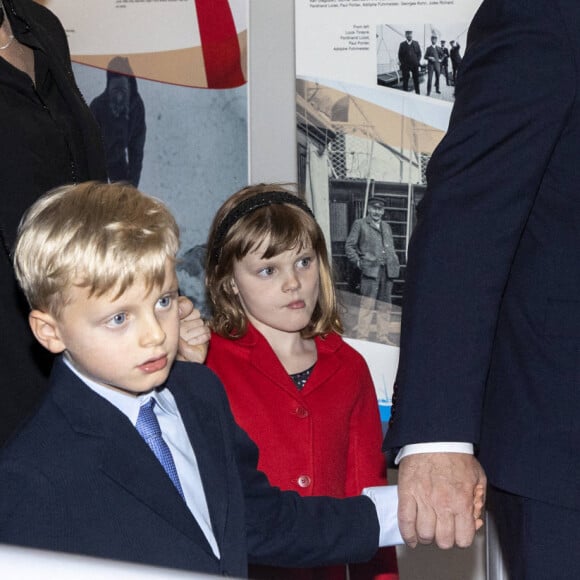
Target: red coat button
(301, 412)
(304, 481)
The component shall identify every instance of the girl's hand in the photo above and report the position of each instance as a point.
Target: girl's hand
(194, 334)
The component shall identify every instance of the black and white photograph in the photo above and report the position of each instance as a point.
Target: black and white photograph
(423, 59)
(362, 157)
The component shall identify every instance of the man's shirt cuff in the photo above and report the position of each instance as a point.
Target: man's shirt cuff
(434, 447)
(386, 500)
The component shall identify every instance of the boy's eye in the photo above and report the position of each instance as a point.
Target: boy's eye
(117, 320)
(165, 301)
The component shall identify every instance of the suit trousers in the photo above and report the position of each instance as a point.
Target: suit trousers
(433, 69)
(538, 540)
(375, 300)
(407, 71)
(379, 287)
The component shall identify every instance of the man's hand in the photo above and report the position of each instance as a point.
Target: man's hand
(441, 498)
(478, 505)
(194, 334)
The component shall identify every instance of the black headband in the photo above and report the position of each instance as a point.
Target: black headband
(250, 205)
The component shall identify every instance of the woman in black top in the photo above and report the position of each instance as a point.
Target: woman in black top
(48, 138)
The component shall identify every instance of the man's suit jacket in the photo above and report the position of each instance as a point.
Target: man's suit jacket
(80, 479)
(409, 54)
(455, 55)
(490, 343)
(369, 249)
(434, 55)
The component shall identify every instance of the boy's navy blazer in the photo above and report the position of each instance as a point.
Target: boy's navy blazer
(79, 478)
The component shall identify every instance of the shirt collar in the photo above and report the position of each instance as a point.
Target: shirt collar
(129, 405)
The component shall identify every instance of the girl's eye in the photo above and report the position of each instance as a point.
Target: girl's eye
(304, 262)
(117, 320)
(265, 272)
(165, 301)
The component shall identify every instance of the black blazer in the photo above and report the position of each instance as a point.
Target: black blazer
(434, 52)
(490, 344)
(409, 54)
(79, 478)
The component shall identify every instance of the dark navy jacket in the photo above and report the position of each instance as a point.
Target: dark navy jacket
(490, 344)
(79, 478)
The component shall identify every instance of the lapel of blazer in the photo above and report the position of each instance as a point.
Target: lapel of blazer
(264, 359)
(124, 457)
(385, 230)
(204, 426)
(327, 364)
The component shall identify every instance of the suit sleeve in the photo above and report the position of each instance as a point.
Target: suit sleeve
(418, 51)
(482, 185)
(29, 507)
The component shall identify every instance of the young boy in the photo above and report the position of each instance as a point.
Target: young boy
(90, 473)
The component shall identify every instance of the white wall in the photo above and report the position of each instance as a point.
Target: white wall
(272, 113)
(272, 146)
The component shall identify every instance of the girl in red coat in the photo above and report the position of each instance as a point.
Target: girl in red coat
(303, 395)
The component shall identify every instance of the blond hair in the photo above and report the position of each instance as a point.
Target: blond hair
(92, 235)
(285, 226)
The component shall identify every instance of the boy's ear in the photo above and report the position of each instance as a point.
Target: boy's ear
(45, 329)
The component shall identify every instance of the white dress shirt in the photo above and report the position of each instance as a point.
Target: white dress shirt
(386, 500)
(434, 447)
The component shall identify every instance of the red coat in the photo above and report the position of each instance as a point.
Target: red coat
(322, 440)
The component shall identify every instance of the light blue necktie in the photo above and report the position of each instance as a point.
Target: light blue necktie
(149, 429)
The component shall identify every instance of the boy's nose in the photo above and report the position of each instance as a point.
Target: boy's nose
(152, 333)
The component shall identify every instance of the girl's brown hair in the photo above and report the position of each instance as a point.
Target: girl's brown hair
(286, 226)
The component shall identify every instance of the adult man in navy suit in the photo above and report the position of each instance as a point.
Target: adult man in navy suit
(490, 343)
